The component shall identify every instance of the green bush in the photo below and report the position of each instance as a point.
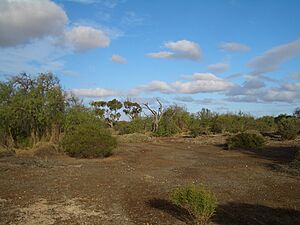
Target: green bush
(288, 128)
(246, 140)
(199, 202)
(167, 127)
(88, 141)
(199, 130)
(138, 125)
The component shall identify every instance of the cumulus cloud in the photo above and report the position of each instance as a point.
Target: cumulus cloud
(96, 92)
(84, 38)
(24, 21)
(278, 95)
(234, 47)
(218, 67)
(182, 49)
(249, 87)
(273, 58)
(153, 86)
(118, 59)
(255, 90)
(197, 83)
(292, 86)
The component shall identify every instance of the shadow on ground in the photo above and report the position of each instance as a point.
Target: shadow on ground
(278, 154)
(233, 213)
(172, 209)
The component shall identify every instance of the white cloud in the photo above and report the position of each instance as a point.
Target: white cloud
(234, 47)
(161, 55)
(182, 49)
(199, 83)
(292, 86)
(97, 92)
(201, 76)
(273, 58)
(153, 86)
(84, 38)
(106, 3)
(278, 95)
(25, 21)
(118, 59)
(218, 67)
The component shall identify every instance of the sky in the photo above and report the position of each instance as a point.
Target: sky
(225, 55)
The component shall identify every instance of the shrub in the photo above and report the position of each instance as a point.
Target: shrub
(167, 127)
(5, 152)
(246, 140)
(199, 202)
(88, 141)
(134, 138)
(138, 125)
(288, 128)
(266, 124)
(199, 130)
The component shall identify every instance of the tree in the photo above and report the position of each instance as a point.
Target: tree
(156, 115)
(132, 109)
(297, 113)
(108, 110)
(31, 107)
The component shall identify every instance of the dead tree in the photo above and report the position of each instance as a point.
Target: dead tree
(156, 115)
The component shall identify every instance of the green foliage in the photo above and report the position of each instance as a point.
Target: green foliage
(167, 128)
(174, 120)
(88, 140)
(200, 202)
(266, 124)
(132, 109)
(138, 125)
(108, 110)
(288, 128)
(246, 140)
(30, 107)
(297, 113)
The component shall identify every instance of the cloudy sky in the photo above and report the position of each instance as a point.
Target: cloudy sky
(226, 55)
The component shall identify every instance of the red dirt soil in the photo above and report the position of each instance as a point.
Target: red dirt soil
(133, 185)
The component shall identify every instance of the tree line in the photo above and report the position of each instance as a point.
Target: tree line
(34, 109)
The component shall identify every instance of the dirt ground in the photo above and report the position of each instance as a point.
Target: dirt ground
(132, 186)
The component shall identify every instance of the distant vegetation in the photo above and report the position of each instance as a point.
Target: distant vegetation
(37, 109)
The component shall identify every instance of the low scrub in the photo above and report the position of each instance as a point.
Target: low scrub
(200, 202)
(246, 140)
(88, 141)
(134, 138)
(5, 152)
(288, 128)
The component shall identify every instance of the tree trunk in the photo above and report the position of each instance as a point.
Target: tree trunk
(55, 128)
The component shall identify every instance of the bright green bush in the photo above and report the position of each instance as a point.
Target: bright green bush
(288, 128)
(246, 140)
(200, 202)
(88, 141)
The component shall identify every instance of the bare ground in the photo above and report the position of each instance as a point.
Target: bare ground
(133, 185)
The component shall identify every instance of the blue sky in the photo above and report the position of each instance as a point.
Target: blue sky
(226, 55)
